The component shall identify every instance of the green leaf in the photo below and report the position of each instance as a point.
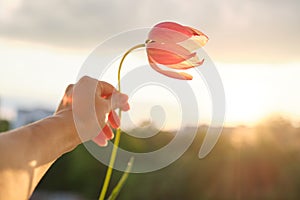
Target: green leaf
(122, 181)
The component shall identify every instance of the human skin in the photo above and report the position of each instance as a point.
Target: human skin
(27, 153)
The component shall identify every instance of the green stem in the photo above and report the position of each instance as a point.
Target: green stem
(118, 131)
(114, 194)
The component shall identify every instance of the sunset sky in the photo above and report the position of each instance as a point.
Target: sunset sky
(255, 46)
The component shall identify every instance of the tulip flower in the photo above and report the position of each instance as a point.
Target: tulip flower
(172, 45)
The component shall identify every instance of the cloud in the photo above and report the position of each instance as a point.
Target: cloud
(238, 29)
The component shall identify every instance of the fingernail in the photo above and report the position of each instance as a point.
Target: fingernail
(100, 140)
(101, 143)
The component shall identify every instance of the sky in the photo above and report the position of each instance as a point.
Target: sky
(255, 45)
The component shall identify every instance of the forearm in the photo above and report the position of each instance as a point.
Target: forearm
(27, 153)
(52, 137)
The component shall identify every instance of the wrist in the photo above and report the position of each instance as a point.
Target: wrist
(65, 132)
(54, 135)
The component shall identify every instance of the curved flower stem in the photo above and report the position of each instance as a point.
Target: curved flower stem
(118, 131)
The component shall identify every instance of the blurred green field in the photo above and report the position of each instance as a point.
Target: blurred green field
(261, 162)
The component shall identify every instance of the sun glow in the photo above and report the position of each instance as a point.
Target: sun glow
(254, 91)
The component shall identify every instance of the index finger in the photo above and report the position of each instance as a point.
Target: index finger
(105, 88)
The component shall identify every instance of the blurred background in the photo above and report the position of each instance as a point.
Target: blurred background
(255, 46)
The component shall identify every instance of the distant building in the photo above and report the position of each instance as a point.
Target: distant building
(26, 116)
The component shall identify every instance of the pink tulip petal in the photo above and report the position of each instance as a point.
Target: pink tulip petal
(194, 43)
(172, 74)
(187, 64)
(175, 27)
(195, 32)
(185, 75)
(200, 39)
(169, 53)
(172, 34)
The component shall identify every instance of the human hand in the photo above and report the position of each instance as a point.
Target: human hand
(88, 108)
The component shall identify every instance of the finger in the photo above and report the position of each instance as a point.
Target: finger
(67, 98)
(101, 139)
(69, 89)
(103, 107)
(108, 132)
(105, 89)
(114, 119)
(102, 88)
(118, 100)
(125, 107)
